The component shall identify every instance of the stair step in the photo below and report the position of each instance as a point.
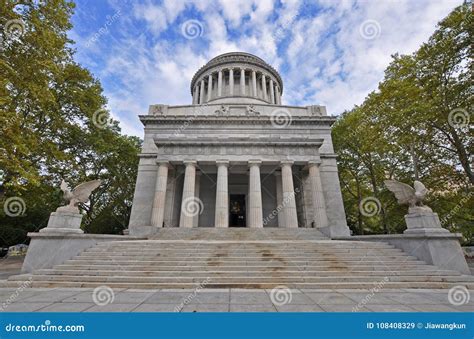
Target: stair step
(417, 267)
(394, 285)
(273, 272)
(244, 259)
(244, 279)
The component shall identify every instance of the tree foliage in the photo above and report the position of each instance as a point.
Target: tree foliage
(417, 125)
(54, 126)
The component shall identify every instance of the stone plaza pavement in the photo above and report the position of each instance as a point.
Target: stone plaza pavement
(229, 300)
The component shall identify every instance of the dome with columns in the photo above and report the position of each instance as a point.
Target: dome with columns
(236, 77)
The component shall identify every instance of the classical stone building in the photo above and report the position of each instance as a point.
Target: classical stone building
(237, 157)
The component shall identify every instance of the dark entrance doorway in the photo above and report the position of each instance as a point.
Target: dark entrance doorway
(237, 210)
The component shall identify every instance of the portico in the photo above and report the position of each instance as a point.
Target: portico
(218, 180)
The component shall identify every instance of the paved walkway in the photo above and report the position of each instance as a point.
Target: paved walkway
(229, 300)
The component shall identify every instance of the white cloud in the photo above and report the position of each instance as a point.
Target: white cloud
(324, 58)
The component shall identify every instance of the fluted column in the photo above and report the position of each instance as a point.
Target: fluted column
(279, 198)
(195, 94)
(189, 203)
(222, 194)
(289, 201)
(231, 81)
(158, 210)
(254, 83)
(219, 84)
(319, 203)
(278, 96)
(201, 92)
(209, 87)
(272, 92)
(264, 87)
(255, 214)
(242, 81)
(197, 188)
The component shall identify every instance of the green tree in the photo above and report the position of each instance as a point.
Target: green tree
(52, 125)
(415, 126)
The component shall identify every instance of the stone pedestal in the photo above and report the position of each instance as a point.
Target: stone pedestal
(426, 240)
(64, 222)
(423, 222)
(48, 249)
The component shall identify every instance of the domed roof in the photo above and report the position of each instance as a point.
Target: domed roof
(236, 57)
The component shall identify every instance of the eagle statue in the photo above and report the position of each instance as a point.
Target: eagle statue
(80, 194)
(407, 195)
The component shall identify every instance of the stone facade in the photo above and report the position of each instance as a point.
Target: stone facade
(237, 157)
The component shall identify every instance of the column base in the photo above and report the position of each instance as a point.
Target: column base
(335, 231)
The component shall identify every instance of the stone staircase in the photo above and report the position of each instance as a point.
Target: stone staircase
(245, 258)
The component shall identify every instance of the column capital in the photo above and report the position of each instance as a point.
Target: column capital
(166, 163)
(314, 163)
(286, 162)
(254, 162)
(190, 162)
(222, 162)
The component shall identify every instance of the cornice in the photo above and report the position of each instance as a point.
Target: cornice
(232, 119)
(206, 141)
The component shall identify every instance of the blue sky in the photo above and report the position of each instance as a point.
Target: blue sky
(328, 52)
